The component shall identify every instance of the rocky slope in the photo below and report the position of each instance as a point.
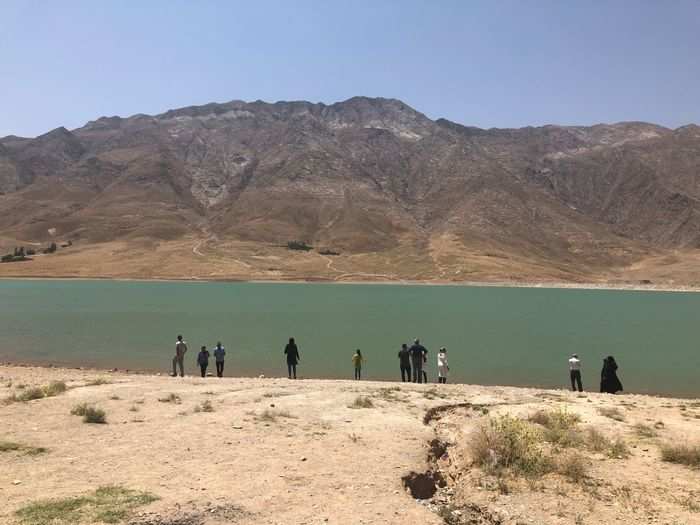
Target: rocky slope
(363, 176)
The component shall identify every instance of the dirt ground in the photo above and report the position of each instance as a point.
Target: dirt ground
(274, 451)
(441, 262)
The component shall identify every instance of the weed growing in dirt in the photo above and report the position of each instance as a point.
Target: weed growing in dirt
(54, 388)
(171, 398)
(612, 413)
(596, 440)
(270, 416)
(681, 454)
(10, 446)
(619, 449)
(645, 431)
(109, 504)
(89, 413)
(99, 381)
(206, 406)
(361, 402)
(574, 466)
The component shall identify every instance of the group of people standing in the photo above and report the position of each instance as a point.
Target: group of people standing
(609, 382)
(412, 363)
(415, 358)
(202, 358)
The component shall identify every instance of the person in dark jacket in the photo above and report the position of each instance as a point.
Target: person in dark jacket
(418, 357)
(203, 360)
(292, 353)
(609, 381)
(405, 363)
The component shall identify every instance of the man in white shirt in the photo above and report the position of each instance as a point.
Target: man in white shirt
(179, 359)
(575, 373)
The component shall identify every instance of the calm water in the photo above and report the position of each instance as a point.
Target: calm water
(512, 336)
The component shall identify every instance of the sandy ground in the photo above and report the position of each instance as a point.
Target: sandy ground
(320, 461)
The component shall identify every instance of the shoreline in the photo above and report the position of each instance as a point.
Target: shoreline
(142, 372)
(549, 285)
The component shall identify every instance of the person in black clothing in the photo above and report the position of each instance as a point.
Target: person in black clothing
(293, 358)
(418, 356)
(405, 363)
(609, 381)
(203, 360)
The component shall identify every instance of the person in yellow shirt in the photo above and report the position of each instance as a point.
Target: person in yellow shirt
(357, 360)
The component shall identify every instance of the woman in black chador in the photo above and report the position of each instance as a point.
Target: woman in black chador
(608, 377)
(292, 353)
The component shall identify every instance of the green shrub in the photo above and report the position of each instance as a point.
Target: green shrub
(54, 388)
(510, 443)
(560, 427)
(94, 415)
(106, 505)
(32, 393)
(299, 245)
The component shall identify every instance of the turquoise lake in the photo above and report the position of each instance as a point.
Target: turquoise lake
(508, 336)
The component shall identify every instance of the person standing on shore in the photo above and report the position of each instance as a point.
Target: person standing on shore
(179, 359)
(405, 363)
(442, 365)
(418, 355)
(292, 353)
(219, 353)
(203, 360)
(575, 373)
(357, 361)
(609, 382)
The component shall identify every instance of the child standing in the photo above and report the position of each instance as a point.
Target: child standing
(442, 365)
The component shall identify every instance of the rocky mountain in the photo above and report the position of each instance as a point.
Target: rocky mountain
(363, 176)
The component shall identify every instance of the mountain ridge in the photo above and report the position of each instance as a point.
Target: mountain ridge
(364, 176)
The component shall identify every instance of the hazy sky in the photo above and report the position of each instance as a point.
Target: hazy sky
(489, 64)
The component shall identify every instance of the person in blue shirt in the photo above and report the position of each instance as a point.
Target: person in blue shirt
(219, 353)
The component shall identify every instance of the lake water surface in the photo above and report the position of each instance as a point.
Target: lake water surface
(510, 336)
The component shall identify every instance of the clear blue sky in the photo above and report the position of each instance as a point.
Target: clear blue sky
(490, 64)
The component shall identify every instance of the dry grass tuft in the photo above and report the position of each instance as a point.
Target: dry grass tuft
(171, 398)
(688, 455)
(89, 413)
(271, 416)
(573, 466)
(612, 413)
(645, 431)
(206, 406)
(54, 388)
(10, 446)
(362, 402)
(619, 449)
